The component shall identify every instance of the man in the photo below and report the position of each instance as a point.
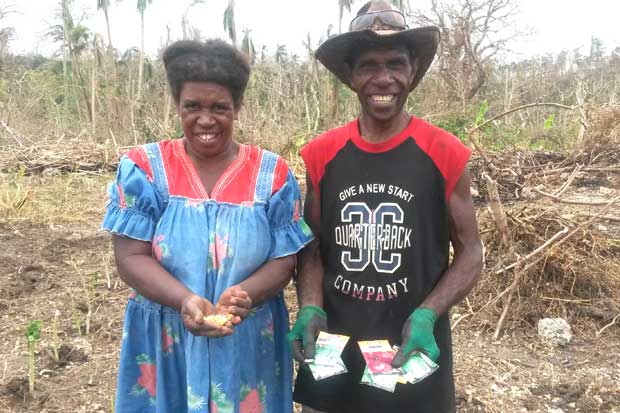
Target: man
(386, 194)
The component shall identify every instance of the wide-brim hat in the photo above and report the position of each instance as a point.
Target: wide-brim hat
(421, 41)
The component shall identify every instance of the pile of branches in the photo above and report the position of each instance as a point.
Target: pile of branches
(60, 155)
(551, 228)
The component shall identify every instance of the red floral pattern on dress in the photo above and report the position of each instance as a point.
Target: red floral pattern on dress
(160, 249)
(218, 250)
(251, 403)
(147, 382)
(167, 340)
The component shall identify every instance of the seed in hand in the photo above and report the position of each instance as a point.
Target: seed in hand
(219, 319)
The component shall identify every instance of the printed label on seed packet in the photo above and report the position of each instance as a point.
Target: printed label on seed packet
(379, 371)
(378, 355)
(327, 361)
(417, 368)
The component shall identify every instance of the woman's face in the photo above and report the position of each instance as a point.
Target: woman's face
(207, 113)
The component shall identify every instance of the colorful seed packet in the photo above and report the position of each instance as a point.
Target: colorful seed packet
(379, 371)
(327, 361)
(378, 355)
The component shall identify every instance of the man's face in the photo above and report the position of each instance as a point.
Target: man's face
(381, 79)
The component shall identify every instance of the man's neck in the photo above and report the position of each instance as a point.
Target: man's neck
(374, 131)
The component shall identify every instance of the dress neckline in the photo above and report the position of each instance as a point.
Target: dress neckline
(222, 181)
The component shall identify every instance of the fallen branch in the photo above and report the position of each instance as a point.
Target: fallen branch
(598, 333)
(568, 201)
(535, 252)
(569, 181)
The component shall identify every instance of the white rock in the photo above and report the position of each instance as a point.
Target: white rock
(554, 331)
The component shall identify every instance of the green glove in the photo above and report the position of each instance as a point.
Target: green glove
(310, 320)
(417, 334)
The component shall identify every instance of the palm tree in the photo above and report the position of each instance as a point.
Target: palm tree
(343, 4)
(105, 5)
(247, 45)
(280, 53)
(141, 6)
(229, 21)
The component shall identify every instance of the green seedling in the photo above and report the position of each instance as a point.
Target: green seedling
(33, 333)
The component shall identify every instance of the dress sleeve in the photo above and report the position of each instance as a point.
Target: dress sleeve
(289, 231)
(134, 206)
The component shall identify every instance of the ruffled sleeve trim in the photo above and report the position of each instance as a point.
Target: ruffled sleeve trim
(290, 238)
(129, 223)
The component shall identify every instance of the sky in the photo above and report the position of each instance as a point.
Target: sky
(553, 25)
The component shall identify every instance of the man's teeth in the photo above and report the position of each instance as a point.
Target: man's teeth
(206, 137)
(382, 98)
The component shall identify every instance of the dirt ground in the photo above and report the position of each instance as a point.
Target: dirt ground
(52, 261)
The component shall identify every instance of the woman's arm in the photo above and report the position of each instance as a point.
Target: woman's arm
(137, 267)
(269, 279)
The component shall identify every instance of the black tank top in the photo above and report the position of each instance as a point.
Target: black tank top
(384, 245)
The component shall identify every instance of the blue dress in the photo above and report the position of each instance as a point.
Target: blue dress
(209, 243)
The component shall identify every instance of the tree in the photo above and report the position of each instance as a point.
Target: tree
(105, 5)
(6, 33)
(247, 46)
(473, 33)
(229, 21)
(141, 6)
(342, 5)
(187, 30)
(401, 5)
(281, 53)
(75, 40)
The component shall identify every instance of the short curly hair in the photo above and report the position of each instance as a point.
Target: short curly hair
(212, 61)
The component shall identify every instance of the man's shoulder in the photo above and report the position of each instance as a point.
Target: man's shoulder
(425, 130)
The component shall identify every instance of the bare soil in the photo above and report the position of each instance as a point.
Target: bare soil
(47, 265)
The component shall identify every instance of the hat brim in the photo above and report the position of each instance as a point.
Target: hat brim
(422, 41)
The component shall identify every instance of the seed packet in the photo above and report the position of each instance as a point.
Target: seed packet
(378, 355)
(382, 381)
(417, 368)
(379, 371)
(327, 361)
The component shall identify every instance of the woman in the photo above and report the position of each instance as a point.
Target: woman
(203, 226)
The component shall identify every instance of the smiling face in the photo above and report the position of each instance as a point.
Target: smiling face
(381, 78)
(207, 112)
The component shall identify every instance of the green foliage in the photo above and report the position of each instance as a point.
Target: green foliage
(456, 125)
(482, 111)
(549, 122)
(33, 330)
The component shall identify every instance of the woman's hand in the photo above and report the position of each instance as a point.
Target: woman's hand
(193, 311)
(235, 301)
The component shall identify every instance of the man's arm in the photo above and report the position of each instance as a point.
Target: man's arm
(309, 265)
(466, 266)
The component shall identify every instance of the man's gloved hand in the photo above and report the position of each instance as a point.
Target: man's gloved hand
(310, 320)
(417, 334)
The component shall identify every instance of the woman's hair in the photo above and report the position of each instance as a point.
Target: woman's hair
(212, 61)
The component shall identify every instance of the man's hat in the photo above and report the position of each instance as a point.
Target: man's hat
(380, 24)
